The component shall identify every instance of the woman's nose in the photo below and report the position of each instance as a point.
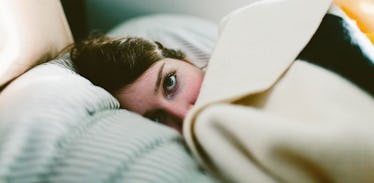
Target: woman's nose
(178, 111)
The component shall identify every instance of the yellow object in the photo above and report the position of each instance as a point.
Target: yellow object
(371, 37)
(362, 11)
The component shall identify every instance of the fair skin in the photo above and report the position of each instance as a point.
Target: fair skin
(165, 92)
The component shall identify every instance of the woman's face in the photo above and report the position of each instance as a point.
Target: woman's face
(164, 93)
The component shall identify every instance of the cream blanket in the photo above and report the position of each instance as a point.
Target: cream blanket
(263, 116)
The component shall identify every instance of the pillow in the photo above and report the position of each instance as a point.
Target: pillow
(31, 33)
(55, 126)
(194, 36)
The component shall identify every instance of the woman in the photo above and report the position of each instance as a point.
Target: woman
(162, 84)
(146, 77)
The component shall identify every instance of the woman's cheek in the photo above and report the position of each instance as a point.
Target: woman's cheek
(195, 85)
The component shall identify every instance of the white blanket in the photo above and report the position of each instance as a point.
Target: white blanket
(263, 116)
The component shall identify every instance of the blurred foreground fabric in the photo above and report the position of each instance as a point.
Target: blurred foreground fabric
(279, 101)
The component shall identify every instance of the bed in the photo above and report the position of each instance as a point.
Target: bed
(55, 126)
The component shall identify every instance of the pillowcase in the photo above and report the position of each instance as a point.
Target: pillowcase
(31, 33)
(55, 126)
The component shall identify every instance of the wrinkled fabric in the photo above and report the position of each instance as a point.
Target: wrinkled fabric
(55, 126)
(265, 116)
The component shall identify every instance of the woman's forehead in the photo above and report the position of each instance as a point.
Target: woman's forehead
(147, 79)
(138, 94)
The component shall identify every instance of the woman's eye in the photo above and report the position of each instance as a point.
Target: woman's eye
(156, 119)
(159, 117)
(169, 83)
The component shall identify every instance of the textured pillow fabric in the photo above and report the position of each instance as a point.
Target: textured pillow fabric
(31, 32)
(194, 36)
(55, 126)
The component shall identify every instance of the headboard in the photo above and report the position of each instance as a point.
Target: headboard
(104, 16)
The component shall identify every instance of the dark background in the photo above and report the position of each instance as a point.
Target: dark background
(75, 12)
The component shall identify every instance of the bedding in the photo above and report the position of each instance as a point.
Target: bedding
(55, 126)
(290, 120)
(194, 36)
(269, 112)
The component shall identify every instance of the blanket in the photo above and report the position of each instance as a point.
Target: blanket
(266, 115)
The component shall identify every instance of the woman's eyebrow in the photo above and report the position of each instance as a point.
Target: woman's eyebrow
(159, 76)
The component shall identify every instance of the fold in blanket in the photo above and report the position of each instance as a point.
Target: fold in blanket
(269, 112)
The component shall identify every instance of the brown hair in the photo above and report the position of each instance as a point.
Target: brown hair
(114, 63)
